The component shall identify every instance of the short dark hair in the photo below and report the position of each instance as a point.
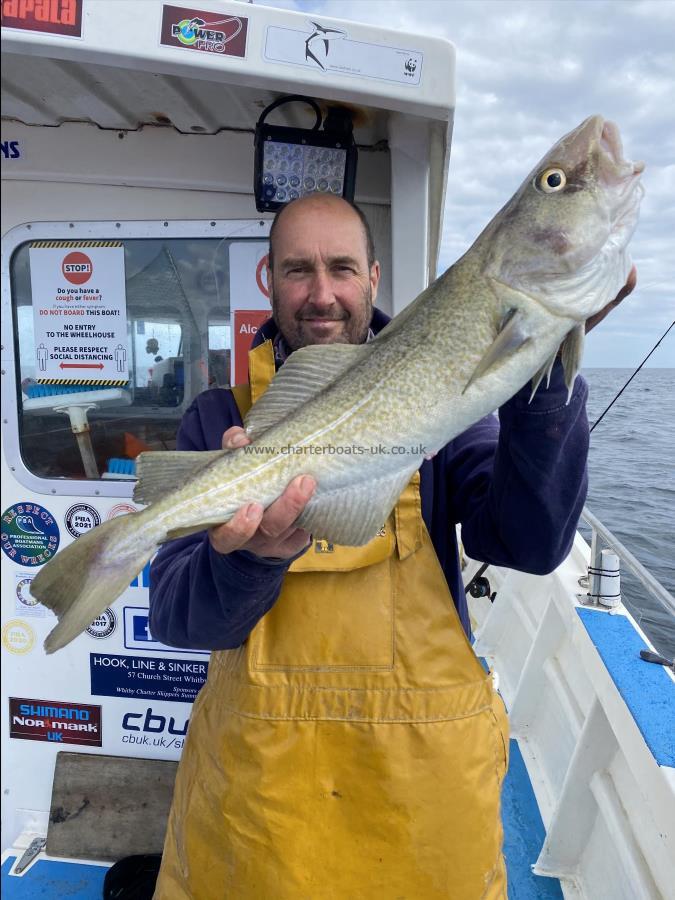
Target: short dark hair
(370, 244)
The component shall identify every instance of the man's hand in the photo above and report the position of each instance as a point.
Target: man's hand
(623, 293)
(270, 532)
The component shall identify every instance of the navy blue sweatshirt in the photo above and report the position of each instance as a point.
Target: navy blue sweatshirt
(516, 485)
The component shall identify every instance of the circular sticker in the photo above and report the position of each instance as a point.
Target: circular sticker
(76, 267)
(103, 625)
(80, 518)
(121, 509)
(18, 636)
(30, 536)
(23, 592)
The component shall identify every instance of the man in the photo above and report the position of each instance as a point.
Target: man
(347, 742)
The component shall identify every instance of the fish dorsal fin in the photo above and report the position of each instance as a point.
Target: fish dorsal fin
(304, 375)
(160, 471)
(353, 516)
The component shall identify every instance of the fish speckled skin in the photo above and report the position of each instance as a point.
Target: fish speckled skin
(553, 256)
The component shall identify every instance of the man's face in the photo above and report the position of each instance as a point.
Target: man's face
(322, 289)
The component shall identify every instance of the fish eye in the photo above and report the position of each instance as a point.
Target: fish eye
(552, 180)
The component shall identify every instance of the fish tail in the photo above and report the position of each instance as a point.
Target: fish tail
(91, 573)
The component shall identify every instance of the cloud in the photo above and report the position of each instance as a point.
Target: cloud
(527, 72)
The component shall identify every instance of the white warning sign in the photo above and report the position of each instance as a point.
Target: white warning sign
(79, 311)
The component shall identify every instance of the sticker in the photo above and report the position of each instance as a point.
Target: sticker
(30, 536)
(11, 149)
(25, 603)
(204, 30)
(55, 720)
(80, 518)
(151, 678)
(245, 325)
(103, 625)
(152, 729)
(137, 634)
(62, 17)
(324, 48)
(120, 509)
(79, 312)
(142, 580)
(18, 637)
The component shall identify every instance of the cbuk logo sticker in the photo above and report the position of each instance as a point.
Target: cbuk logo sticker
(10, 150)
(150, 729)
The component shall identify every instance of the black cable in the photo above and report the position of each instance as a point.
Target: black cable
(601, 417)
(292, 98)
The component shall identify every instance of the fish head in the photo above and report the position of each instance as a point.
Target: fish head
(562, 238)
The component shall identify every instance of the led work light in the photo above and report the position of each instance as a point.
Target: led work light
(293, 162)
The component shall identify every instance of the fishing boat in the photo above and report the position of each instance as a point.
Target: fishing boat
(144, 149)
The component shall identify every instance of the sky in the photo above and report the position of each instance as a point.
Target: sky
(527, 72)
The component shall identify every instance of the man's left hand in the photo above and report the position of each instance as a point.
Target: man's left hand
(623, 293)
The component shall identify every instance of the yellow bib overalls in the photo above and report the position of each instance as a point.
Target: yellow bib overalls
(354, 747)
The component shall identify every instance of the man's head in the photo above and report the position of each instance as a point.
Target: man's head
(322, 273)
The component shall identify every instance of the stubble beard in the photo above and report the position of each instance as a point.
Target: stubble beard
(354, 331)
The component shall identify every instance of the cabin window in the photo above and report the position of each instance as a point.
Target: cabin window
(95, 389)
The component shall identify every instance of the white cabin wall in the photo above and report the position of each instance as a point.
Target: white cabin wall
(83, 173)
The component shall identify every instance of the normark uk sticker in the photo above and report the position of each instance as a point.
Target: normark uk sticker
(30, 536)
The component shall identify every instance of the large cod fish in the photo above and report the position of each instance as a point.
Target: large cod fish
(553, 256)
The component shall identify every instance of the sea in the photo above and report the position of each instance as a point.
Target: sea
(632, 483)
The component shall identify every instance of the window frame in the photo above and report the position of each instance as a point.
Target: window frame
(180, 229)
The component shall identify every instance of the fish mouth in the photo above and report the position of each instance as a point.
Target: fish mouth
(613, 165)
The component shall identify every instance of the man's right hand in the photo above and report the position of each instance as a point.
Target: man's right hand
(267, 532)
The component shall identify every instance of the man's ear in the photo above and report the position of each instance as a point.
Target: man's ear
(374, 278)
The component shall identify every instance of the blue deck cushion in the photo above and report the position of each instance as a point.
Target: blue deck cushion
(647, 689)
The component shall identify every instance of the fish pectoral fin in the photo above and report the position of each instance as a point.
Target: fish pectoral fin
(160, 471)
(353, 516)
(304, 375)
(571, 352)
(512, 336)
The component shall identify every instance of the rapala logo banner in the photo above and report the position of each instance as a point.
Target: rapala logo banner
(48, 16)
(152, 729)
(56, 721)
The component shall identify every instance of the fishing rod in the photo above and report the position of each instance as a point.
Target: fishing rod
(604, 413)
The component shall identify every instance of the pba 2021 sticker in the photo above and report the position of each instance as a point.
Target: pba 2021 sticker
(81, 518)
(30, 535)
(103, 625)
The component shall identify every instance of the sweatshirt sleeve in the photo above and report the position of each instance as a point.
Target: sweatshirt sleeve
(518, 486)
(200, 599)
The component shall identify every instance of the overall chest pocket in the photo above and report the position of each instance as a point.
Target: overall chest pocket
(333, 613)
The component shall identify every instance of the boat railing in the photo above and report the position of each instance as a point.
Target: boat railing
(602, 538)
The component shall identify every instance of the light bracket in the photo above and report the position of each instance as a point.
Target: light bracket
(294, 162)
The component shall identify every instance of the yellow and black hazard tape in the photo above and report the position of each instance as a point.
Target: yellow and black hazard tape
(66, 245)
(84, 382)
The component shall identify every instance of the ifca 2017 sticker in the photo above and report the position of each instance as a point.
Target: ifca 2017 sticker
(30, 536)
(104, 624)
